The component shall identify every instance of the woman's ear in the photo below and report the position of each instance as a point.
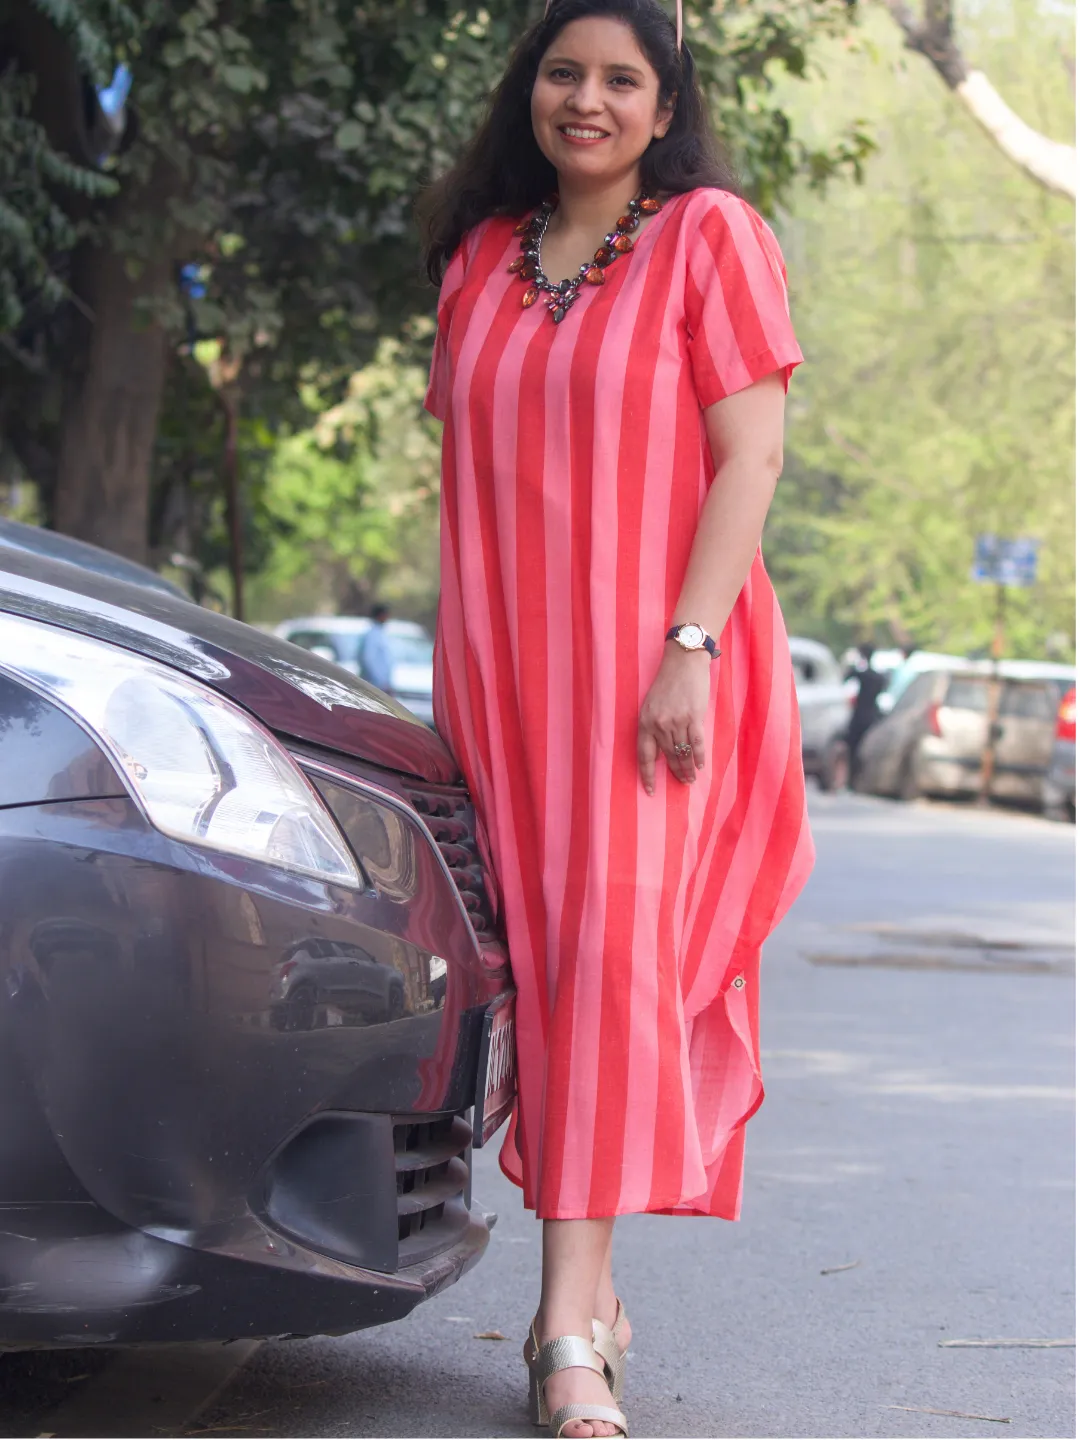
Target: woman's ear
(664, 116)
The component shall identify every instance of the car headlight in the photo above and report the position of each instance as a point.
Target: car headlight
(201, 768)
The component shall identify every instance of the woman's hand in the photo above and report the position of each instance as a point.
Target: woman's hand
(673, 714)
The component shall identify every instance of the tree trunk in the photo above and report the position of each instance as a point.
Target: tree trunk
(113, 398)
(1050, 162)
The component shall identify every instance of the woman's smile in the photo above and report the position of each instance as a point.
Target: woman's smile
(582, 134)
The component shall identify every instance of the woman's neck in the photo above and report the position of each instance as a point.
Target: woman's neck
(594, 207)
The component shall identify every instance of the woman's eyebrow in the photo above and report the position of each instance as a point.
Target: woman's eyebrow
(566, 60)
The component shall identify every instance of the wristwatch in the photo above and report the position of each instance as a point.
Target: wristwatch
(693, 637)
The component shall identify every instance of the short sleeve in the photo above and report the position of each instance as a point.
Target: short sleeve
(438, 390)
(737, 317)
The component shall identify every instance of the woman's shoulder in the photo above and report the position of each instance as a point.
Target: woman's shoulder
(710, 208)
(495, 229)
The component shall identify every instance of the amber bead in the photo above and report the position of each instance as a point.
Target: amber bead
(623, 244)
(530, 297)
(649, 206)
(517, 264)
(522, 226)
(528, 271)
(626, 222)
(594, 275)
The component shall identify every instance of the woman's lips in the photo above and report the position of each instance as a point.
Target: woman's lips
(582, 134)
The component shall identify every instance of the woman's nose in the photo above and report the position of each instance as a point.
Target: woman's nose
(588, 97)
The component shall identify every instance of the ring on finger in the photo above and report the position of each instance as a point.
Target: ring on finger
(684, 750)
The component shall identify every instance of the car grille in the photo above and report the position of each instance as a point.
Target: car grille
(449, 816)
(431, 1159)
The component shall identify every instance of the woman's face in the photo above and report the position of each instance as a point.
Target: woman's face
(596, 101)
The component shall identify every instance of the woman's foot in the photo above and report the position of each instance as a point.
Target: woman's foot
(576, 1386)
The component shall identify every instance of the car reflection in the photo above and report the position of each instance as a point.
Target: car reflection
(333, 975)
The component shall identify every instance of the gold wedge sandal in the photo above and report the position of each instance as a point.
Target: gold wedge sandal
(566, 1352)
(607, 1346)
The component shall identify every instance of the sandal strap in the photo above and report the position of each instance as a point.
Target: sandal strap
(606, 1341)
(607, 1413)
(566, 1352)
(606, 1346)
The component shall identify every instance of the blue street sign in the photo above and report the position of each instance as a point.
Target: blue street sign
(1005, 562)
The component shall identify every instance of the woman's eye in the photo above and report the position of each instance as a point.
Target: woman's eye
(560, 74)
(623, 80)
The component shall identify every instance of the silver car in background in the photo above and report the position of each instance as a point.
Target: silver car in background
(825, 702)
(932, 741)
(339, 638)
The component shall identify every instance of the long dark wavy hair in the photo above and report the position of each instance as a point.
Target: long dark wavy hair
(503, 171)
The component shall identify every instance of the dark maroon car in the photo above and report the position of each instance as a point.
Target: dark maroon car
(254, 1009)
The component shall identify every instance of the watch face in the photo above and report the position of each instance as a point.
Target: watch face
(691, 637)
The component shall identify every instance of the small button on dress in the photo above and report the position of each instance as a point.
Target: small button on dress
(575, 466)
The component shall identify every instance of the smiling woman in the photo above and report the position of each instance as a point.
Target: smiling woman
(605, 479)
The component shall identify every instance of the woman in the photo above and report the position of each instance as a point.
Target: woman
(611, 366)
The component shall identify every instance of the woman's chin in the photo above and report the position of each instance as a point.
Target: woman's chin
(587, 165)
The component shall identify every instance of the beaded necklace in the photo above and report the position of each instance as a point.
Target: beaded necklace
(563, 294)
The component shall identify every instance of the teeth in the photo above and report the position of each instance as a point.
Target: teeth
(583, 134)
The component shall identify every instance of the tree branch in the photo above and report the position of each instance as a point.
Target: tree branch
(1047, 161)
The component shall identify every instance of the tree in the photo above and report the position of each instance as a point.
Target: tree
(935, 304)
(1050, 162)
(279, 150)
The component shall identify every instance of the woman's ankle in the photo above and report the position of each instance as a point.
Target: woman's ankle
(561, 1320)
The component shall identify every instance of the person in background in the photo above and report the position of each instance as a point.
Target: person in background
(375, 661)
(865, 714)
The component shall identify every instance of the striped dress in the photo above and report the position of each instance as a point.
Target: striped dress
(575, 464)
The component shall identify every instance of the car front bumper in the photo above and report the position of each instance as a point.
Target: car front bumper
(172, 1165)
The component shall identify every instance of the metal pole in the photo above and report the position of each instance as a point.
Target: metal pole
(993, 700)
(233, 515)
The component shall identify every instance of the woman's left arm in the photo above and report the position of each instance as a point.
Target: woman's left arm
(746, 433)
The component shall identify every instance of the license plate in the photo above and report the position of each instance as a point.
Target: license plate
(497, 1073)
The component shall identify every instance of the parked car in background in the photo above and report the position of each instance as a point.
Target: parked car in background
(932, 741)
(1059, 786)
(339, 637)
(916, 664)
(825, 700)
(255, 1010)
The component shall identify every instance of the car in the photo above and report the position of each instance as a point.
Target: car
(339, 976)
(932, 741)
(34, 540)
(339, 638)
(917, 663)
(255, 1006)
(1059, 783)
(825, 701)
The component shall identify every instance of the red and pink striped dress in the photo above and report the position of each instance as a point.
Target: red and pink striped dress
(575, 465)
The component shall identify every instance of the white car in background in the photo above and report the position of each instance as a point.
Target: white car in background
(825, 702)
(339, 637)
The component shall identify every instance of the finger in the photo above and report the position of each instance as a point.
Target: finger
(682, 765)
(647, 748)
(696, 737)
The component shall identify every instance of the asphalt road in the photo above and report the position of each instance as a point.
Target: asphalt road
(909, 1183)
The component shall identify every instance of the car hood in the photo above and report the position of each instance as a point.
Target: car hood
(290, 690)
